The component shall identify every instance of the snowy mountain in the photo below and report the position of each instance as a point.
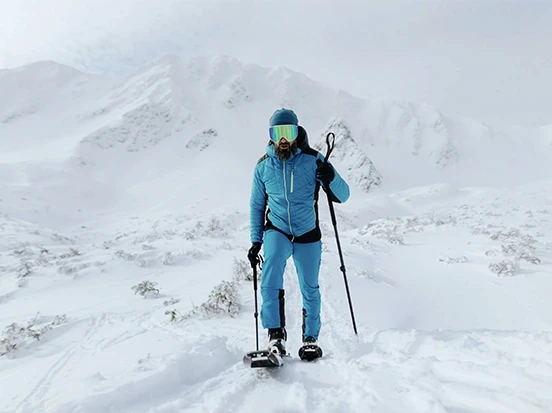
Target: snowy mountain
(360, 169)
(125, 227)
(175, 100)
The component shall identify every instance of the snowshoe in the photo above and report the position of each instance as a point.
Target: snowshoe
(273, 355)
(262, 359)
(310, 350)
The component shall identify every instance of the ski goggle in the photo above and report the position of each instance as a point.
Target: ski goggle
(288, 132)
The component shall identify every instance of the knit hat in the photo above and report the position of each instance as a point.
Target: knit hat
(284, 117)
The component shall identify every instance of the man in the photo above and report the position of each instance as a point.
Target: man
(284, 218)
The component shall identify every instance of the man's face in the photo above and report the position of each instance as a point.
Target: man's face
(284, 139)
(284, 149)
(283, 144)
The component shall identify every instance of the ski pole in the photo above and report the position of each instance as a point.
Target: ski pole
(256, 314)
(331, 145)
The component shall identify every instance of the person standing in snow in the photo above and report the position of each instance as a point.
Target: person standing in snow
(284, 221)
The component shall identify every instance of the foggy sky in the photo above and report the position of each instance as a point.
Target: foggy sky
(481, 58)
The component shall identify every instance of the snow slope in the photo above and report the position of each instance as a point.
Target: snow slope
(106, 183)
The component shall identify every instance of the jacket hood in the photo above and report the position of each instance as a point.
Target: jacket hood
(302, 139)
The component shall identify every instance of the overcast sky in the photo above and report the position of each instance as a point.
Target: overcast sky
(482, 58)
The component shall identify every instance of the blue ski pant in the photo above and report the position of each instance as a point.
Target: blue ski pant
(307, 258)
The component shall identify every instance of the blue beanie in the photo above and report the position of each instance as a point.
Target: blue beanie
(284, 117)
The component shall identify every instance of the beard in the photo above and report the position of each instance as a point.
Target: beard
(284, 154)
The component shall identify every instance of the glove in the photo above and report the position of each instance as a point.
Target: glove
(253, 253)
(324, 172)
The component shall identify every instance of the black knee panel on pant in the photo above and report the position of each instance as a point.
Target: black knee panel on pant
(282, 308)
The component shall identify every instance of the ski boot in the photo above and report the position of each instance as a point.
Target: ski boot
(310, 350)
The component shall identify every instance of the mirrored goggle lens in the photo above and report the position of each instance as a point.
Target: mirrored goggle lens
(288, 132)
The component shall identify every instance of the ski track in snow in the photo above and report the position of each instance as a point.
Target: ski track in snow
(36, 397)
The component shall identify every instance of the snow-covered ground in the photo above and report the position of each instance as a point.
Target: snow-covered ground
(108, 183)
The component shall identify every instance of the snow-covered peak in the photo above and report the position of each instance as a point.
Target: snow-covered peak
(43, 70)
(353, 163)
(25, 89)
(175, 101)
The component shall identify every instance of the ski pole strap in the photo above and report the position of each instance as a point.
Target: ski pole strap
(330, 144)
(257, 261)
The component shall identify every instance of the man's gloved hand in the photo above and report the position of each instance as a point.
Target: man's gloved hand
(324, 172)
(253, 253)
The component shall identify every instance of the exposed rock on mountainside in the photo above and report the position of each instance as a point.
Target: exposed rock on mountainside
(360, 170)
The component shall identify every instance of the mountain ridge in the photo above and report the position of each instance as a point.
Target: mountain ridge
(178, 100)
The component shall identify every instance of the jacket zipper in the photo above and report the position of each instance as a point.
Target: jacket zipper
(285, 193)
(292, 169)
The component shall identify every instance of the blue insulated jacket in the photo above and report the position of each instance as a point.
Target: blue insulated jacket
(284, 194)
